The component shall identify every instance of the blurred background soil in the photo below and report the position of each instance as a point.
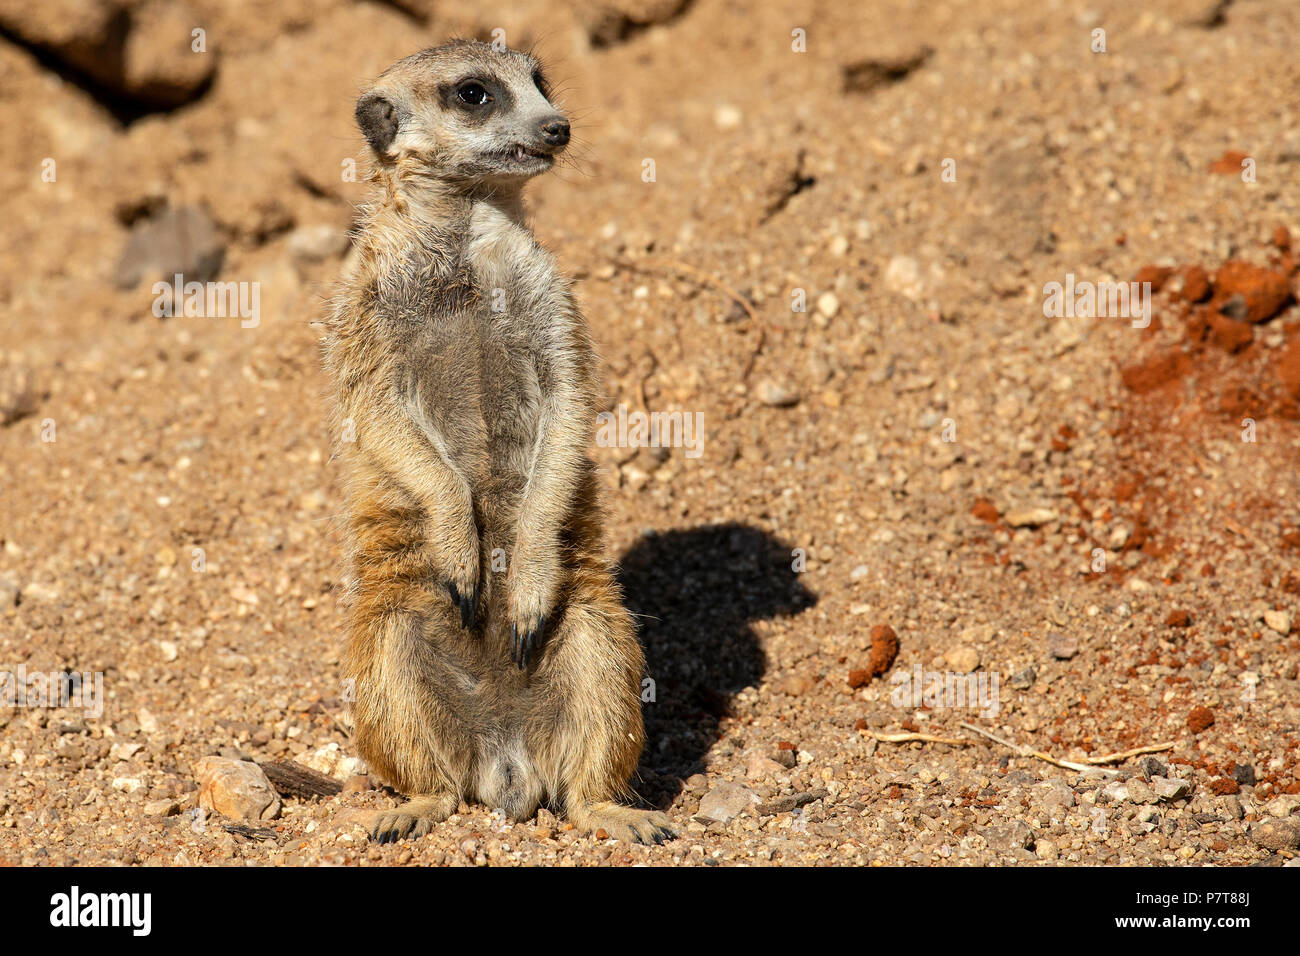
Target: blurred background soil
(1102, 517)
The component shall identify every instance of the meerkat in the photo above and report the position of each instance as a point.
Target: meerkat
(489, 652)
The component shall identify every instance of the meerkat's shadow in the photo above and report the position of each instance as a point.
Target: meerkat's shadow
(695, 593)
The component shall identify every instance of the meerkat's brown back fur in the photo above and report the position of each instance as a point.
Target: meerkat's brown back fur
(491, 654)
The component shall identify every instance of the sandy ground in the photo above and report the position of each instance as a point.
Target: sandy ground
(839, 263)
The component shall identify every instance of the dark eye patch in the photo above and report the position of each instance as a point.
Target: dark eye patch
(543, 87)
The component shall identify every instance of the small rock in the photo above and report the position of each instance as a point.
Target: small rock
(18, 397)
(1062, 646)
(724, 803)
(331, 761)
(127, 784)
(903, 275)
(358, 783)
(148, 722)
(1244, 774)
(1273, 834)
(1015, 836)
(9, 592)
(1151, 767)
(1030, 517)
(1139, 792)
(1114, 792)
(828, 304)
(1147, 815)
(963, 659)
(1178, 618)
(1279, 621)
(244, 595)
(760, 765)
(727, 116)
(236, 788)
(162, 808)
(1059, 797)
(790, 802)
(794, 684)
(1023, 680)
(774, 395)
(124, 750)
(40, 592)
(1046, 850)
(180, 240)
(634, 477)
(1170, 789)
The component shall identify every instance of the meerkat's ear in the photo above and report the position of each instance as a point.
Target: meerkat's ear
(378, 119)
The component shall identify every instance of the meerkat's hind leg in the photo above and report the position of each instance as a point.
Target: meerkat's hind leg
(623, 823)
(586, 729)
(415, 818)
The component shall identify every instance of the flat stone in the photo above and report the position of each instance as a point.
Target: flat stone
(775, 395)
(1030, 517)
(178, 240)
(1062, 646)
(1170, 789)
(1014, 836)
(1115, 792)
(724, 803)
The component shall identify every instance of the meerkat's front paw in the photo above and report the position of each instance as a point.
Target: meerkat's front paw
(468, 603)
(460, 565)
(531, 588)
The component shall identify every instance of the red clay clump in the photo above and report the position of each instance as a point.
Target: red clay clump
(884, 648)
(1224, 786)
(1201, 718)
(1263, 292)
(1156, 372)
(1196, 284)
(1208, 325)
(1229, 164)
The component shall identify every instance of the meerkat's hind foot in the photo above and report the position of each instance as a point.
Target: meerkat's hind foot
(415, 818)
(625, 823)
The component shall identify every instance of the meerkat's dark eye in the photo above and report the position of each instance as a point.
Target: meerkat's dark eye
(473, 93)
(539, 81)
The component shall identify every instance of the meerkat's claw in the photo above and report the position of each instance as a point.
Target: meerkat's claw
(468, 604)
(521, 645)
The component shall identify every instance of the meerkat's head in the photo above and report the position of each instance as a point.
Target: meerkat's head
(464, 112)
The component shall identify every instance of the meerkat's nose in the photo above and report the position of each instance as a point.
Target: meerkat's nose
(555, 132)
